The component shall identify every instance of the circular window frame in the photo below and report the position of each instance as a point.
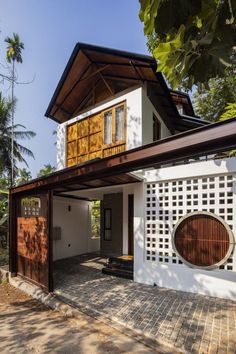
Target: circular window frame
(228, 229)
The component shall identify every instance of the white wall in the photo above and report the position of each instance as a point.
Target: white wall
(139, 224)
(147, 120)
(216, 282)
(75, 228)
(133, 98)
(127, 189)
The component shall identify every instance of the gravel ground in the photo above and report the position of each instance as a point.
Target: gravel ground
(26, 326)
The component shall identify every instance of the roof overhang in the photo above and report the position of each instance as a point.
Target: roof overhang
(183, 98)
(94, 74)
(210, 139)
(187, 123)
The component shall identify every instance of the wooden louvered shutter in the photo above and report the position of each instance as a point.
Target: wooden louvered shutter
(202, 239)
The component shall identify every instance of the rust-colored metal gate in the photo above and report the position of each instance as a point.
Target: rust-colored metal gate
(33, 244)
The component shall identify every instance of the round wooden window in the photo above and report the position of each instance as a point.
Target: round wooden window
(203, 239)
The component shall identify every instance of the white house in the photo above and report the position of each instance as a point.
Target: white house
(128, 142)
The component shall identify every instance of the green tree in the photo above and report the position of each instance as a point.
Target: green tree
(211, 103)
(4, 185)
(230, 111)
(46, 170)
(14, 50)
(95, 218)
(23, 175)
(20, 133)
(192, 40)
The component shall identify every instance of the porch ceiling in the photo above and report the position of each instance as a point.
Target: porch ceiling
(120, 179)
(94, 74)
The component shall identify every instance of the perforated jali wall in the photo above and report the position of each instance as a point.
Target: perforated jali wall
(166, 202)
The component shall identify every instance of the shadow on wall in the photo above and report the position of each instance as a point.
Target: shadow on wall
(134, 131)
(61, 147)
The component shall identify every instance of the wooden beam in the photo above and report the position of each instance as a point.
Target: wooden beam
(50, 240)
(107, 85)
(201, 141)
(70, 196)
(12, 234)
(127, 64)
(121, 78)
(136, 71)
(84, 101)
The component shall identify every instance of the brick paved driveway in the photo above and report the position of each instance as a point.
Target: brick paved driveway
(190, 322)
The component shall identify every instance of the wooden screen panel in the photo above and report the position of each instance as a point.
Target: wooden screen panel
(95, 123)
(72, 132)
(96, 154)
(82, 158)
(85, 138)
(72, 162)
(83, 128)
(71, 150)
(83, 146)
(95, 142)
(113, 150)
(202, 240)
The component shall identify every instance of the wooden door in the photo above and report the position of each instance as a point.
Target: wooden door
(131, 224)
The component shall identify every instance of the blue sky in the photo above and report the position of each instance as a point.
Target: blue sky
(49, 30)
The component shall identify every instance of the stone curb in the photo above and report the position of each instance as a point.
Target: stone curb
(62, 305)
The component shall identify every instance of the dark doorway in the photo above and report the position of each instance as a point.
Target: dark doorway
(131, 224)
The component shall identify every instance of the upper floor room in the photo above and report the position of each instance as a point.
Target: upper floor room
(109, 101)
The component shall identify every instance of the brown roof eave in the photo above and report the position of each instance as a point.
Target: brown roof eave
(84, 46)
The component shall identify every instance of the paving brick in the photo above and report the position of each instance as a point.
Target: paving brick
(192, 322)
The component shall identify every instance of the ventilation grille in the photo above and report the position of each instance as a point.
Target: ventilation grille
(56, 233)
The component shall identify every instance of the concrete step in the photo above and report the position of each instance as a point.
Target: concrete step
(122, 273)
(121, 263)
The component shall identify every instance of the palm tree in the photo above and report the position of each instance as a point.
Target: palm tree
(23, 176)
(46, 170)
(19, 133)
(14, 48)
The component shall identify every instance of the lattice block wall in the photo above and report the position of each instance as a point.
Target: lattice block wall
(167, 201)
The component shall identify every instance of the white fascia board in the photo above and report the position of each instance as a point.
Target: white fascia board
(201, 168)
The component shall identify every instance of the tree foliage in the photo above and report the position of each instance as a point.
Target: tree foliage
(14, 48)
(95, 218)
(211, 103)
(20, 133)
(4, 185)
(230, 111)
(192, 40)
(23, 176)
(46, 170)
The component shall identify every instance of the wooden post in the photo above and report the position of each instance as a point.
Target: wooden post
(50, 240)
(12, 234)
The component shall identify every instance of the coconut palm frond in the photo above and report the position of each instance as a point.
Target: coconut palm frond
(6, 135)
(14, 48)
(25, 151)
(23, 135)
